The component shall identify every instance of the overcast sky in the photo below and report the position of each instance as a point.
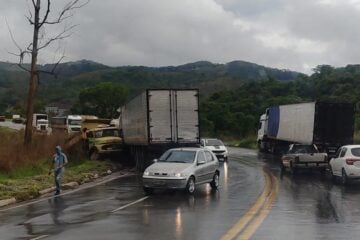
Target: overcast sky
(287, 34)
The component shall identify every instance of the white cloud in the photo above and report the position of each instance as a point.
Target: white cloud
(292, 34)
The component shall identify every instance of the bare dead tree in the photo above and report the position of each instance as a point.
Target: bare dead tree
(38, 43)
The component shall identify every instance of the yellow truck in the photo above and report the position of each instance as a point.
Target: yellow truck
(100, 139)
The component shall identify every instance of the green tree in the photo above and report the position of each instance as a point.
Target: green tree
(102, 100)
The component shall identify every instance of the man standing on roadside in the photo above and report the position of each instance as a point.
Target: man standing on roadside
(59, 161)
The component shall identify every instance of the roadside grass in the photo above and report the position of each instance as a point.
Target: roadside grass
(25, 183)
(357, 137)
(248, 142)
(4, 130)
(24, 170)
(14, 154)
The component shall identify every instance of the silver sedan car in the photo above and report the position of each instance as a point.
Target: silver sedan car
(182, 168)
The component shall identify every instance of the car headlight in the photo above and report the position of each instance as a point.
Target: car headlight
(180, 175)
(146, 173)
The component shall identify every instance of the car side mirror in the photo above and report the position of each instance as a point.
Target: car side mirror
(201, 162)
(155, 160)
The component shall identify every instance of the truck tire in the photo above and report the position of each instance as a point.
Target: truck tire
(292, 168)
(282, 167)
(94, 155)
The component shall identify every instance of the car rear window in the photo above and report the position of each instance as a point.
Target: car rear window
(303, 149)
(355, 152)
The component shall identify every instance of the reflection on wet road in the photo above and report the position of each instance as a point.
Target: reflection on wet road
(255, 200)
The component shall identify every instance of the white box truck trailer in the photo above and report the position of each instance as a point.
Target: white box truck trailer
(327, 125)
(157, 120)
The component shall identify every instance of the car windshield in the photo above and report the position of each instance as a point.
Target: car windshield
(178, 156)
(106, 133)
(303, 149)
(214, 142)
(355, 152)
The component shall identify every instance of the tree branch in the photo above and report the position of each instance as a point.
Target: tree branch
(46, 14)
(12, 36)
(72, 5)
(62, 35)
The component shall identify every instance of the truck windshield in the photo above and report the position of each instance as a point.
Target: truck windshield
(178, 156)
(74, 122)
(214, 142)
(107, 133)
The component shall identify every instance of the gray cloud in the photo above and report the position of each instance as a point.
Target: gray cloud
(288, 34)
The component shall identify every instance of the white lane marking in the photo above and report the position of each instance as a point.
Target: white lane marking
(67, 193)
(40, 237)
(130, 204)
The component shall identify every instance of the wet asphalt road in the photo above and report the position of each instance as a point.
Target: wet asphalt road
(255, 200)
(9, 124)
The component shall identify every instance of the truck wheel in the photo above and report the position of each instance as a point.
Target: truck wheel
(293, 169)
(344, 177)
(94, 155)
(225, 159)
(190, 187)
(282, 167)
(215, 182)
(148, 191)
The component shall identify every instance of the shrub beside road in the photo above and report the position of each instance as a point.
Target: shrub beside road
(24, 171)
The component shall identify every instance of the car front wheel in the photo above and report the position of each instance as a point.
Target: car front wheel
(148, 190)
(215, 182)
(190, 187)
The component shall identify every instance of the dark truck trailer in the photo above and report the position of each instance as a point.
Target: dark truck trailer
(159, 119)
(328, 125)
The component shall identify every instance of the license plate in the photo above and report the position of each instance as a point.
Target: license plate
(159, 182)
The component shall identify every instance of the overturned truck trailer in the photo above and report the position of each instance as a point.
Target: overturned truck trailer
(157, 120)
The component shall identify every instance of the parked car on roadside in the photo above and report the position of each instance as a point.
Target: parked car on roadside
(18, 120)
(216, 146)
(346, 163)
(2, 118)
(182, 168)
(304, 156)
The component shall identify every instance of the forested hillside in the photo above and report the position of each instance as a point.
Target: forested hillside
(72, 77)
(233, 95)
(236, 113)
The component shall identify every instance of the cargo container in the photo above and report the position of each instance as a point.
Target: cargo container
(327, 125)
(157, 120)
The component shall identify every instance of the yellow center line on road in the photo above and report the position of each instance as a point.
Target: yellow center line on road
(264, 212)
(251, 213)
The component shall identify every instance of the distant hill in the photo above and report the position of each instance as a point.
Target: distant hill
(71, 77)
